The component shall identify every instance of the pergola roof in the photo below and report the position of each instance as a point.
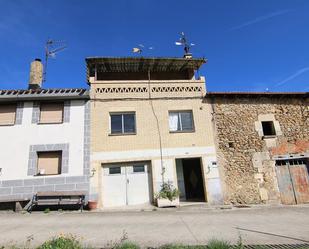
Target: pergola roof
(141, 64)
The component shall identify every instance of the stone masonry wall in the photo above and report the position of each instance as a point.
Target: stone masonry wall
(244, 155)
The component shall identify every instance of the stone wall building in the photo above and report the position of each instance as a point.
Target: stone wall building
(262, 144)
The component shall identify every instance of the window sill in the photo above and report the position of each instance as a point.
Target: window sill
(173, 132)
(269, 137)
(121, 134)
(47, 175)
(50, 123)
(7, 124)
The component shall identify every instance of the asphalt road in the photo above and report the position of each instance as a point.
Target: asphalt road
(258, 225)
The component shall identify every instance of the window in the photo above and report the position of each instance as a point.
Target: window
(51, 113)
(49, 163)
(7, 114)
(268, 128)
(138, 168)
(114, 170)
(123, 123)
(181, 121)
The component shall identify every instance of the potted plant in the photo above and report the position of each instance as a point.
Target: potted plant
(168, 196)
(92, 204)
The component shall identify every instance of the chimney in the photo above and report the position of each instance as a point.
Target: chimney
(36, 74)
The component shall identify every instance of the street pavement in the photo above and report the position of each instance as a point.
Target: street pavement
(255, 225)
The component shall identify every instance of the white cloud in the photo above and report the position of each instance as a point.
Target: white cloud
(293, 76)
(261, 19)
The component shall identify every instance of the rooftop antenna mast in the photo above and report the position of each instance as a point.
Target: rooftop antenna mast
(52, 47)
(183, 41)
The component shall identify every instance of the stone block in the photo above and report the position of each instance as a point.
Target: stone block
(22, 190)
(35, 181)
(12, 183)
(43, 188)
(65, 187)
(5, 191)
(82, 186)
(54, 180)
(75, 179)
(263, 194)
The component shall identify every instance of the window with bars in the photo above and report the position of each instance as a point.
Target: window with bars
(123, 123)
(298, 161)
(181, 121)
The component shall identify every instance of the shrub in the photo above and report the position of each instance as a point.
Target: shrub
(127, 245)
(62, 242)
(218, 244)
(168, 192)
(46, 210)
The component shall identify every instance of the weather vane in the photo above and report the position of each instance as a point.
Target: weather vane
(183, 41)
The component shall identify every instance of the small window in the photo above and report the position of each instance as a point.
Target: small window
(138, 168)
(123, 123)
(7, 114)
(49, 163)
(114, 170)
(181, 121)
(268, 128)
(51, 113)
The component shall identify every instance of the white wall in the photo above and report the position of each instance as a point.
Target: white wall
(15, 141)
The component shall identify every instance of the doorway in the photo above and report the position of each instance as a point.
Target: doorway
(190, 179)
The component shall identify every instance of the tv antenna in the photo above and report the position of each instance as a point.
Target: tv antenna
(183, 41)
(140, 48)
(52, 47)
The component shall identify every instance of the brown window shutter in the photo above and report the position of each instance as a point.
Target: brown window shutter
(49, 163)
(51, 113)
(7, 114)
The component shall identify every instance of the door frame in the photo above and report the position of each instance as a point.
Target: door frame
(202, 172)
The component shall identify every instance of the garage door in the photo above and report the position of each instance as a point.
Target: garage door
(126, 184)
(293, 181)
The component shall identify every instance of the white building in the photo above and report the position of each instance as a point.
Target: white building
(44, 142)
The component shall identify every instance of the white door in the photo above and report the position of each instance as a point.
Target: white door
(126, 184)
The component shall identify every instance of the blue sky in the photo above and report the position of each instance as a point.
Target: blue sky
(251, 45)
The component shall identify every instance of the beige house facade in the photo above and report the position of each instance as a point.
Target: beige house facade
(149, 125)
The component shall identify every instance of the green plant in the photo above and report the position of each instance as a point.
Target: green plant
(46, 210)
(128, 245)
(62, 242)
(168, 192)
(240, 244)
(172, 246)
(218, 244)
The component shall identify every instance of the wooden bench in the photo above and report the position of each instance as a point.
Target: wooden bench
(16, 202)
(58, 198)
